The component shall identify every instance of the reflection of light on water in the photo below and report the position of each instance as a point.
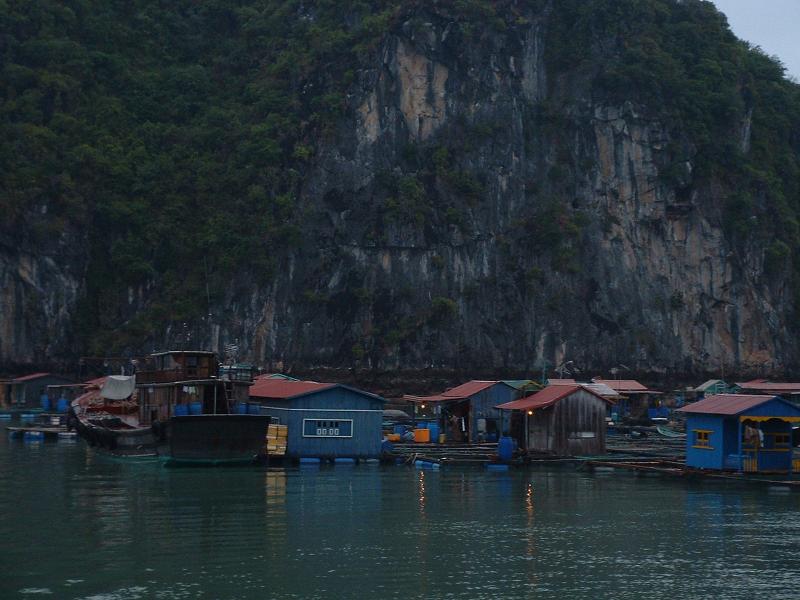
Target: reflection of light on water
(530, 539)
(422, 493)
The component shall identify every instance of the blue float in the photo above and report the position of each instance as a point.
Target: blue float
(196, 408)
(253, 409)
(62, 405)
(241, 408)
(434, 429)
(181, 410)
(505, 448)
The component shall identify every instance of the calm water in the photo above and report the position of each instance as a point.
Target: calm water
(79, 525)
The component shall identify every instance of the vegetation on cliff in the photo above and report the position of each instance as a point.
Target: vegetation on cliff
(178, 134)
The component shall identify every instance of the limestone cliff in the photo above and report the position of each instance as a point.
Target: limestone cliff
(478, 206)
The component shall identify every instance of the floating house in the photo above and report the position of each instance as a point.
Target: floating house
(468, 413)
(29, 391)
(635, 401)
(740, 432)
(325, 420)
(565, 420)
(712, 387)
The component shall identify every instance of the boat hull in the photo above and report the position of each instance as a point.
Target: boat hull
(217, 439)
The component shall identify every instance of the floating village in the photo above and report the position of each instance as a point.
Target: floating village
(184, 407)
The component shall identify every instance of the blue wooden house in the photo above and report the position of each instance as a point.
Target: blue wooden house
(325, 420)
(746, 433)
(468, 413)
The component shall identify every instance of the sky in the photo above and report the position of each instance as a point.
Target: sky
(772, 24)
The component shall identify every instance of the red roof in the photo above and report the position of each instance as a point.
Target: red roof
(726, 404)
(623, 385)
(284, 388)
(764, 386)
(30, 377)
(547, 397)
(460, 392)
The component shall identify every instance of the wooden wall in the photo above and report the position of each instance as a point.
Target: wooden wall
(575, 425)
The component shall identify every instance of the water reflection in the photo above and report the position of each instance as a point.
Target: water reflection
(379, 532)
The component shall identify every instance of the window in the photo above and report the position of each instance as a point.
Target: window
(780, 440)
(702, 438)
(337, 428)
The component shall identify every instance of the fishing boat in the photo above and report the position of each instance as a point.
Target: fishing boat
(670, 433)
(175, 406)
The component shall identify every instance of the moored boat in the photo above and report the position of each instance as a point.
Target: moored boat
(176, 407)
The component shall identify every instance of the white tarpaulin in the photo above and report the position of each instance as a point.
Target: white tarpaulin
(118, 387)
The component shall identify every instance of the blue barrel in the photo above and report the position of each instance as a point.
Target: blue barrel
(505, 448)
(253, 409)
(399, 429)
(241, 408)
(45, 403)
(63, 405)
(434, 429)
(181, 410)
(196, 408)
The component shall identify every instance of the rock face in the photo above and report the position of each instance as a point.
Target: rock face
(477, 211)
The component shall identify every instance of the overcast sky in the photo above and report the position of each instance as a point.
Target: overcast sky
(772, 24)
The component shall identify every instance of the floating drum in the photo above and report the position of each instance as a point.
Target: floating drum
(45, 403)
(241, 408)
(434, 429)
(505, 448)
(181, 410)
(195, 408)
(254, 409)
(399, 429)
(422, 436)
(62, 405)
(344, 461)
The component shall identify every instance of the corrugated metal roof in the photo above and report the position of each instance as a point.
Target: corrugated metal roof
(708, 384)
(623, 385)
(30, 377)
(547, 397)
(770, 386)
(276, 376)
(460, 392)
(284, 388)
(601, 389)
(726, 404)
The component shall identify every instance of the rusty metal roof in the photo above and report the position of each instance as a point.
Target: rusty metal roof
(625, 386)
(728, 404)
(548, 397)
(768, 386)
(460, 392)
(30, 377)
(284, 388)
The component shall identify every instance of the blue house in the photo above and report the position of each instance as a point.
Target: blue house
(468, 413)
(325, 420)
(746, 433)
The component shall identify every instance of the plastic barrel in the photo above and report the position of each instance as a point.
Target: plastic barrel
(195, 408)
(45, 403)
(505, 448)
(399, 429)
(241, 408)
(434, 432)
(181, 410)
(422, 436)
(63, 405)
(253, 409)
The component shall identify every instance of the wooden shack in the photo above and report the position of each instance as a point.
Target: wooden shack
(635, 401)
(30, 391)
(325, 420)
(468, 413)
(564, 420)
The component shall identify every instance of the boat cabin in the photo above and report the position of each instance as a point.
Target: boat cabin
(180, 383)
(739, 432)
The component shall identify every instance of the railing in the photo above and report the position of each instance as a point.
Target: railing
(177, 374)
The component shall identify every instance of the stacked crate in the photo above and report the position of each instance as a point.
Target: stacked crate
(276, 439)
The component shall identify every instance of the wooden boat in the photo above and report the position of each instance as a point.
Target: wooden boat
(175, 407)
(666, 432)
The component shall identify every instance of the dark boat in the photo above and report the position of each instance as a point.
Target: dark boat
(176, 407)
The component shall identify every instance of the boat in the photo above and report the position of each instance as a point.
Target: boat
(666, 432)
(176, 407)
